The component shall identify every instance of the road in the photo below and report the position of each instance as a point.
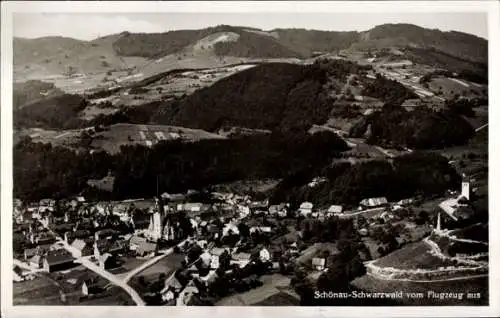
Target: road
(113, 279)
(150, 262)
(107, 275)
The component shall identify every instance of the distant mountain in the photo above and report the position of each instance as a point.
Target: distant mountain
(58, 55)
(55, 54)
(454, 43)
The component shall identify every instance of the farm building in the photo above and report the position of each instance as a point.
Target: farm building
(374, 202)
(319, 263)
(306, 208)
(58, 260)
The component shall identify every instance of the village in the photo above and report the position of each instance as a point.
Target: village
(173, 250)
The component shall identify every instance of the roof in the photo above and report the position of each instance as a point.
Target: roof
(374, 201)
(335, 209)
(317, 261)
(218, 251)
(59, 257)
(36, 259)
(146, 247)
(306, 205)
(30, 252)
(78, 244)
(242, 256)
(174, 283)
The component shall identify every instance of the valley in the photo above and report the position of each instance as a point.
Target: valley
(333, 150)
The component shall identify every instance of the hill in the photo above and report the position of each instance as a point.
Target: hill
(56, 112)
(32, 91)
(271, 96)
(458, 44)
(50, 56)
(55, 55)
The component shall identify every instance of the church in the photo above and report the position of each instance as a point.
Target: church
(161, 225)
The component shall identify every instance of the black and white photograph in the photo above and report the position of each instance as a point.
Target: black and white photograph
(254, 158)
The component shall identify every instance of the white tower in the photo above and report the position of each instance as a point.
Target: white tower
(465, 187)
(438, 225)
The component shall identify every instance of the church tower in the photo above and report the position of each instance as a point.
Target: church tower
(438, 225)
(466, 187)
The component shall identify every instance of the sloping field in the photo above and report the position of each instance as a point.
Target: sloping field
(451, 87)
(272, 286)
(412, 256)
(57, 138)
(474, 285)
(127, 134)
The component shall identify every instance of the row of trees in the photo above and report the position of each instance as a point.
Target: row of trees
(45, 171)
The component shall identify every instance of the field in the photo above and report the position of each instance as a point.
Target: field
(412, 256)
(272, 286)
(147, 135)
(450, 87)
(368, 283)
(117, 135)
(66, 138)
(40, 291)
(45, 290)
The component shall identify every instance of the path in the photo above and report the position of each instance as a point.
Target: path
(427, 281)
(481, 128)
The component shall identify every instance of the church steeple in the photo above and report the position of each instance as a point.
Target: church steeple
(438, 225)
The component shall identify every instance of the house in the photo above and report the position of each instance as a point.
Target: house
(177, 197)
(209, 278)
(264, 255)
(241, 259)
(145, 248)
(363, 232)
(186, 294)
(262, 205)
(318, 263)
(58, 260)
(36, 262)
(305, 208)
(334, 209)
(91, 284)
(80, 199)
(206, 258)
(261, 229)
(171, 289)
(202, 243)
(81, 248)
(230, 228)
(386, 216)
(405, 202)
(280, 209)
(374, 202)
(29, 253)
(216, 253)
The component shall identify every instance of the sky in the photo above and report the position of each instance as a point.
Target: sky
(88, 26)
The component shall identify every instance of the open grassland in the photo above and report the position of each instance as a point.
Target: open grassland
(147, 135)
(412, 256)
